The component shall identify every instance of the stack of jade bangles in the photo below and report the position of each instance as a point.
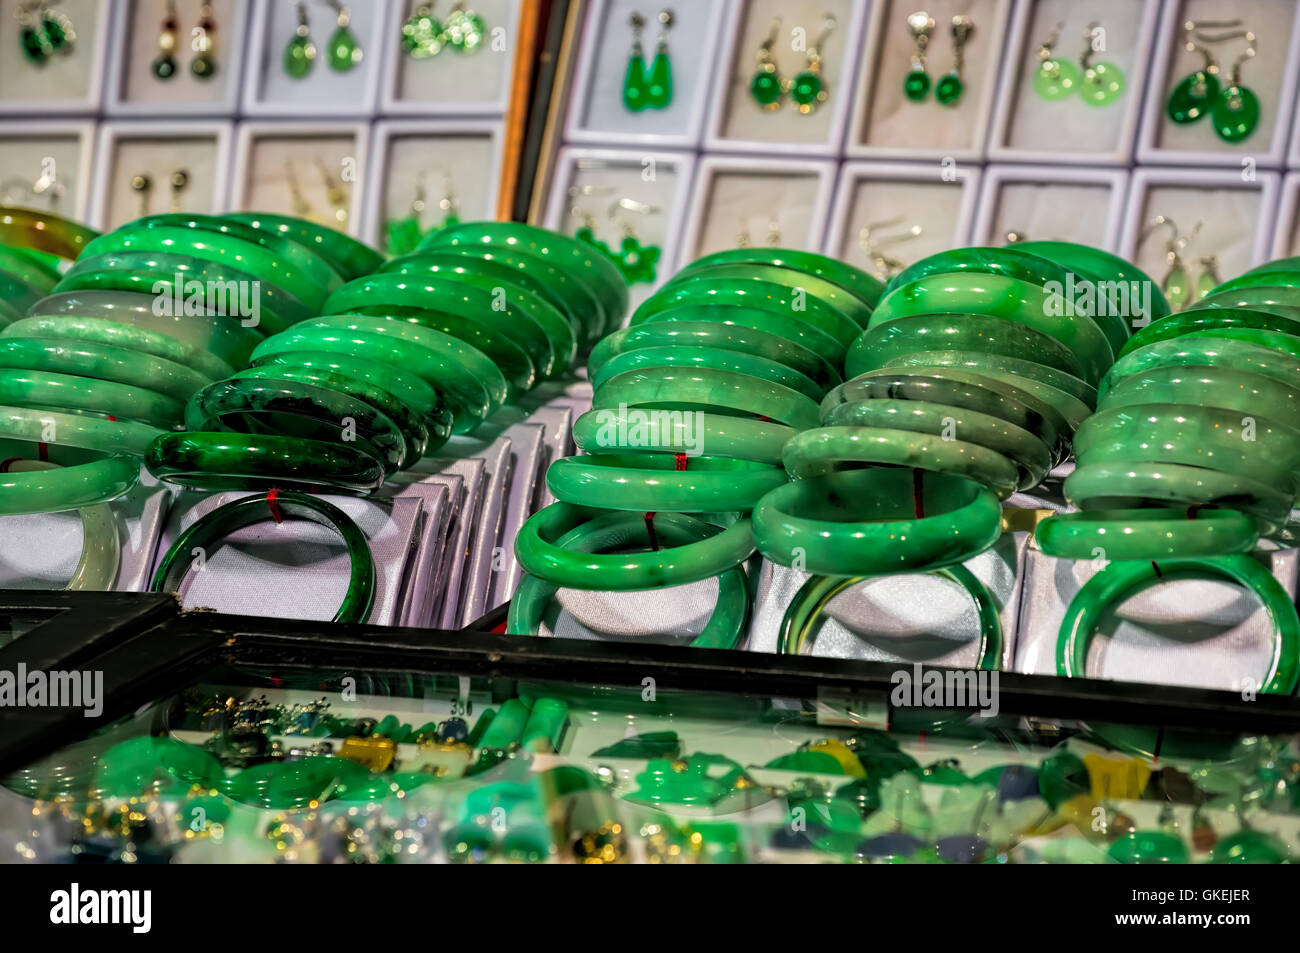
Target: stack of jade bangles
(693, 404)
(1191, 459)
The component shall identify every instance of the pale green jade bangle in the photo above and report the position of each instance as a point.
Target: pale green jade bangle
(725, 337)
(799, 626)
(81, 480)
(1146, 533)
(1269, 275)
(1286, 343)
(1120, 580)
(1257, 297)
(76, 430)
(66, 392)
(779, 325)
(1126, 485)
(842, 301)
(691, 358)
(1099, 265)
(100, 361)
(1000, 297)
(1069, 411)
(1185, 322)
(1076, 387)
(541, 554)
(709, 388)
(1030, 454)
(349, 257)
(726, 625)
(101, 550)
(1207, 352)
(1221, 387)
(865, 287)
(865, 522)
(818, 452)
(653, 482)
(629, 430)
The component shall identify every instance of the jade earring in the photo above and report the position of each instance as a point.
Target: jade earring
(335, 193)
(1055, 78)
(808, 91)
(204, 64)
(1102, 83)
(916, 86)
(449, 206)
(767, 87)
(142, 185)
(586, 232)
(773, 234)
(465, 29)
(179, 180)
(43, 32)
(636, 80)
(300, 54)
(164, 66)
(742, 234)
(1209, 278)
(1176, 283)
(1196, 93)
(344, 52)
(423, 35)
(659, 91)
(1236, 111)
(404, 233)
(636, 261)
(950, 86)
(884, 266)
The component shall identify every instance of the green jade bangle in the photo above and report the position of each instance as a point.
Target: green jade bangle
(101, 551)
(1084, 260)
(67, 392)
(17, 294)
(40, 231)
(881, 520)
(1076, 387)
(538, 546)
(832, 294)
(705, 387)
(81, 431)
(1154, 533)
(34, 267)
(1120, 580)
(103, 362)
(1222, 387)
(82, 479)
(726, 626)
(347, 256)
(1207, 352)
(800, 625)
(1255, 297)
(662, 482)
(1187, 322)
(207, 532)
(867, 288)
(628, 430)
(1269, 276)
(686, 358)
(1286, 343)
(235, 461)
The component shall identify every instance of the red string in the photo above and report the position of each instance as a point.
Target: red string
(273, 505)
(650, 530)
(679, 460)
(918, 503)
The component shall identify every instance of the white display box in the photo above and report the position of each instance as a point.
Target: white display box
(1052, 203)
(737, 123)
(30, 148)
(269, 91)
(64, 85)
(438, 85)
(125, 147)
(884, 124)
(404, 148)
(941, 200)
(1028, 128)
(133, 90)
(1284, 230)
(256, 187)
(595, 112)
(1271, 74)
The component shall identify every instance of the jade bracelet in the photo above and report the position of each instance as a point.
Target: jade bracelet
(225, 461)
(68, 392)
(81, 431)
(867, 288)
(628, 430)
(849, 305)
(207, 533)
(101, 550)
(349, 257)
(708, 387)
(41, 231)
(1207, 352)
(81, 479)
(1150, 533)
(1177, 325)
(689, 358)
(105, 362)
(653, 482)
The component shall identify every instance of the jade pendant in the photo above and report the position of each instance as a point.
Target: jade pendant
(465, 31)
(766, 89)
(422, 34)
(344, 52)
(807, 91)
(636, 85)
(949, 89)
(35, 46)
(1235, 114)
(1206, 282)
(916, 85)
(299, 56)
(1192, 97)
(659, 92)
(164, 67)
(204, 66)
(404, 235)
(1055, 79)
(636, 261)
(1177, 289)
(1102, 84)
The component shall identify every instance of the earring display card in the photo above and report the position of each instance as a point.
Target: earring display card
(46, 166)
(1269, 75)
(314, 172)
(599, 110)
(887, 122)
(890, 215)
(759, 202)
(200, 70)
(145, 169)
(340, 78)
(53, 75)
(1057, 109)
(802, 101)
(454, 79)
(1051, 204)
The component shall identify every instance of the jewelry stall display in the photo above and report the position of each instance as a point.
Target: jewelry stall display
(1233, 108)
(649, 87)
(916, 85)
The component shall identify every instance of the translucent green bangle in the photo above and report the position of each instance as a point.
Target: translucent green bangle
(726, 626)
(654, 482)
(8, 315)
(1269, 275)
(1120, 580)
(799, 626)
(53, 391)
(1222, 387)
(76, 430)
(882, 520)
(847, 304)
(1150, 533)
(1286, 343)
(309, 411)
(816, 453)
(541, 553)
(104, 362)
(631, 431)
(23, 265)
(236, 461)
(41, 231)
(867, 288)
(1207, 352)
(1099, 265)
(1076, 387)
(349, 257)
(101, 551)
(713, 388)
(1255, 297)
(1177, 325)
(686, 358)
(81, 480)
(207, 532)
(18, 294)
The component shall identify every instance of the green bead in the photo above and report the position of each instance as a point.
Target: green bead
(635, 84)
(1250, 847)
(916, 85)
(1055, 79)
(949, 89)
(204, 66)
(807, 91)
(1149, 847)
(164, 67)
(1193, 97)
(299, 56)
(422, 35)
(343, 50)
(1103, 83)
(34, 44)
(766, 88)
(1235, 114)
(659, 92)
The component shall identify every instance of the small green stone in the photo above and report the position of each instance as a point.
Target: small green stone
(1148, 847)
(55, 35)
(35, 46)
(1055, 79)
(949, 89)
(465, 31)
(203, 66)
(299, 57)
(917, 85)
(635, 84)
(659, 92)
(1193, 97)
(164, 67)
(1235, 114)
(344, 51)
(422, 36)
(765, 87)
(807, 90)
(1102, 84)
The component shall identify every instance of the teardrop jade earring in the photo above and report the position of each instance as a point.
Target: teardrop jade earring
(1196, 92)
(916, 86)
(1102, 83)
(1055, 78)
(344, 51)
(635, 81)
(1236, 112)
(1176, 284)
(1209, 278)
(808, 90)
(204, 44)
(767, 87)
(164, 65)
(950, 86)
(300, 54)
(659, 91)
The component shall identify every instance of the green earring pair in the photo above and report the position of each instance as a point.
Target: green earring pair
(951, 86)
(1177, 284)
(1234, 109)
(635, 260)
(43, 32)
(343, 51)
(649, 87)
(807, 90)
(1100, 84)
(425, 36)
(406, 233)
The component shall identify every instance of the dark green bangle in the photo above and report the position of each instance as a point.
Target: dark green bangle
(654, 482)
(799, 627)
(235, 461)
(207, 532)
